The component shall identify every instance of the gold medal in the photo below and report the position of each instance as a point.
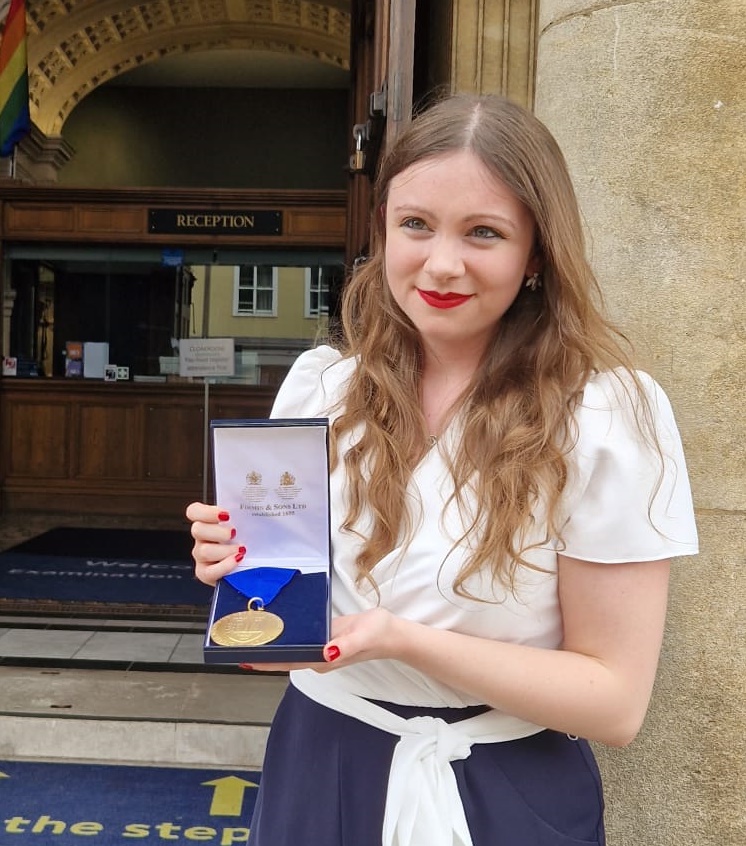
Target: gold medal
(252, 627)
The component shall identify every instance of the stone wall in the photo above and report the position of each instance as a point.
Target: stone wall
(648, 101)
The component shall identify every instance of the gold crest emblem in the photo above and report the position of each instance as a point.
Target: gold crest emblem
(287, 489)
(254, 491)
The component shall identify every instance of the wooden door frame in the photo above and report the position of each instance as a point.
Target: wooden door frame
(381, 76)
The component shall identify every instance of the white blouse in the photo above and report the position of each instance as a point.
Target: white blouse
(618, 506)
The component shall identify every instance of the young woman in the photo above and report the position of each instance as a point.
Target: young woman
(507, 492)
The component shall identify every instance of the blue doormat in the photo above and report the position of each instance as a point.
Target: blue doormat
(70, 804)
(103, 572)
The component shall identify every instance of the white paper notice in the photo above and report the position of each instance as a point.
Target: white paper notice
(95, 359)
(206, 357)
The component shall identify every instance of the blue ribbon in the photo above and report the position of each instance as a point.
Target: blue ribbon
(263, 582)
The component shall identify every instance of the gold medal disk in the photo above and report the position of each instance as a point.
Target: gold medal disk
(247, 628)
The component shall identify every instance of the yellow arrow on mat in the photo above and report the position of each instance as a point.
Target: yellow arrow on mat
(4, 775)
(227, 800)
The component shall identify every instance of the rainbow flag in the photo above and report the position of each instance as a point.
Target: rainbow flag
(15, 120)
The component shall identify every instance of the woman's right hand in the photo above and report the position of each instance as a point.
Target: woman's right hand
(214, 552)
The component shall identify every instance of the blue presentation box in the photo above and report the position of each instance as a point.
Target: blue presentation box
(272, 477)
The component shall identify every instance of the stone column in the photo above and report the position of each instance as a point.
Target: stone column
(492, 47)
(39, 158)
(648, 101)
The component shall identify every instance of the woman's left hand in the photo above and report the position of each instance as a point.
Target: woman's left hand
(355, 637)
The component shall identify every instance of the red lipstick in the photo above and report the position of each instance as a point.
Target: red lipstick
(449, 300)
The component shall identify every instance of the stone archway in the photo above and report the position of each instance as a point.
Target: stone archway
(74, 46)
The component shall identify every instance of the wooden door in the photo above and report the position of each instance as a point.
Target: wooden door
(381, 74)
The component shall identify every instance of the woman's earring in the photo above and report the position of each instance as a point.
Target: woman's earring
(533, 282)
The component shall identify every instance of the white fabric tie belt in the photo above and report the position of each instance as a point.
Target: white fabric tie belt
(423, 804)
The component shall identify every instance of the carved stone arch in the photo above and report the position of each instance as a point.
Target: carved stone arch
(85, 44)
(54, 22)
(59, 100)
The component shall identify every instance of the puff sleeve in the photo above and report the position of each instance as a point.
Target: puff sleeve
(313, 385)
(625, 501)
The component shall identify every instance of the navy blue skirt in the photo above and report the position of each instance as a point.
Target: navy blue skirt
(325, 777)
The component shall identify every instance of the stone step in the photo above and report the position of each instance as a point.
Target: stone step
(125, 716)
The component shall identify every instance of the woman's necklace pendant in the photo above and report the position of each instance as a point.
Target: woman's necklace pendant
(432, 440)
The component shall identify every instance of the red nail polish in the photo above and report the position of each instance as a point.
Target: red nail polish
(246, 666)
(242, 550)
(238, 557)
(223, 516)
(332, 653)
(233, 533)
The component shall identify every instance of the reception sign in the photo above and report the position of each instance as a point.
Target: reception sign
(214, 222)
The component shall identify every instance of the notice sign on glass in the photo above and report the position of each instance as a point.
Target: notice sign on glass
(206, 357)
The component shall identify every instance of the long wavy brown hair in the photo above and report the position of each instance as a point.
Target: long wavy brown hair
(517, 411)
